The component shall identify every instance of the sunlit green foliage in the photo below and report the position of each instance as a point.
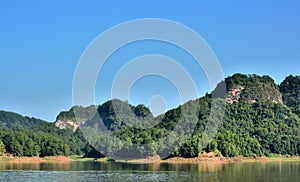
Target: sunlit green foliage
(290, 89)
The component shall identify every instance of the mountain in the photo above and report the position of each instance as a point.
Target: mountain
(249, 129)
(14, 120)
(239, 87)
(256, 122)
(255, 117)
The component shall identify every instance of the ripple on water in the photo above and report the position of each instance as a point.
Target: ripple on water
(41, 176)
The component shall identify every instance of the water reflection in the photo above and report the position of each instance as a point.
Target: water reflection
(206, 171)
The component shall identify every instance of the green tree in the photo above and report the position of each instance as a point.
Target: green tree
(2, 148)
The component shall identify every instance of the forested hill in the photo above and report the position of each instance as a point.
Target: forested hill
(14, 120)
(261, 118)
(239, 88)
(27, 136)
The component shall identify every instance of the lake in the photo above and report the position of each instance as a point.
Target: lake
(111, 171)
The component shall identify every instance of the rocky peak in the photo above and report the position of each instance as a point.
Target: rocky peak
(74, 117)
(251, 88)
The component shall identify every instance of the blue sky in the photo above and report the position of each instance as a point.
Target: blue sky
(41, 43)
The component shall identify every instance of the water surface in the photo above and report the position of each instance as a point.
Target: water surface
(111, 171)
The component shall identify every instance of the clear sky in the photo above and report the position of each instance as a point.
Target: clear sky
(41, 43)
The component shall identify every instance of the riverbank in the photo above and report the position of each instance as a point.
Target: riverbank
(35, 159)
(216, 160)
(179, 160)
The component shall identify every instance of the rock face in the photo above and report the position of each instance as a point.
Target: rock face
(67, 124)
(251, 88)
(234, 94)
(74, 117)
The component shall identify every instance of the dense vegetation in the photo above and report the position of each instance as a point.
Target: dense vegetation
(264, 127)
(269, 125)
(24, 136)
(290, 89)
(14, 120)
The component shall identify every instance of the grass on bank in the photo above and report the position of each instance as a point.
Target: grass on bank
(6, 159)
(81, 158)
(283, 158)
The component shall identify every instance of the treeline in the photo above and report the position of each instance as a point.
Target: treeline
(28, 143)
(42, 139)
(262, 128)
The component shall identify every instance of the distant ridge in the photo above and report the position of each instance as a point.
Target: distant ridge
(15, 120)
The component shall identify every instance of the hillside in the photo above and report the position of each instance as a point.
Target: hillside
(239, 87)
(254, 116)
(290, 89)
(260, 119)
(261, 128)
(27, 136)
(14, 120)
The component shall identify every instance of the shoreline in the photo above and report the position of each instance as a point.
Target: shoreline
(173, 160)
(35, 159)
